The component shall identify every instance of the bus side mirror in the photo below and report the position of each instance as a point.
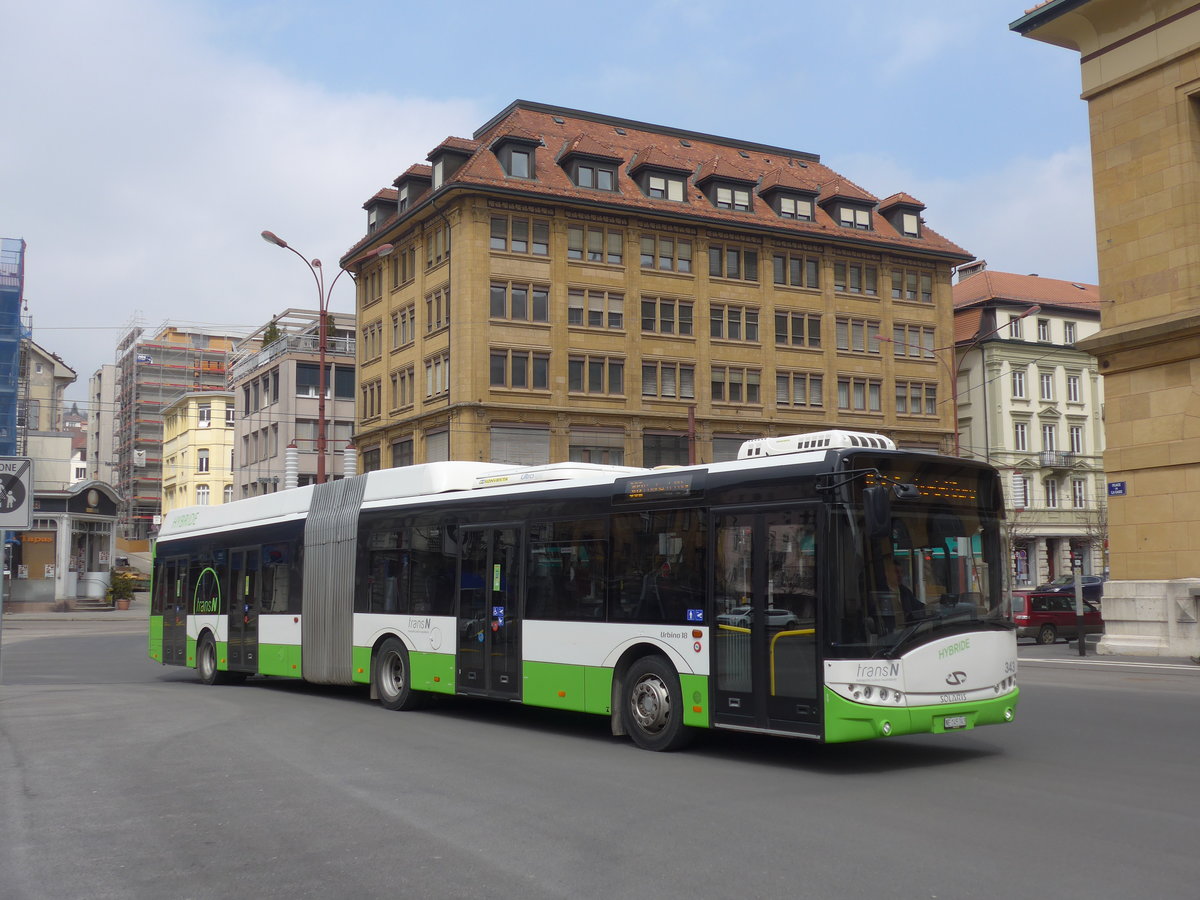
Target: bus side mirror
(877, 510)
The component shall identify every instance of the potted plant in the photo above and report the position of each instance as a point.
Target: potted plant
(120, 591)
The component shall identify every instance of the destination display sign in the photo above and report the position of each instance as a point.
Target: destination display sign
(659, 486)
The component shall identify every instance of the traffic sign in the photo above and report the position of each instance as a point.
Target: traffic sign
(16, 492)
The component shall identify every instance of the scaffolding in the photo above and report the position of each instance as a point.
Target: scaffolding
(12, 332)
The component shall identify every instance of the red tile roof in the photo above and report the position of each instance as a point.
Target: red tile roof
(639, 144)
(586, 145)
(1025, 289)
(723, 168)
(901, 199)
(966, 324)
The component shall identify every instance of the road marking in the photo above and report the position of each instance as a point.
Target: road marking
(1090, 662)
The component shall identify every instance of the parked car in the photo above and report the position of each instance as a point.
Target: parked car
(1093, 586)
(739, 617)
(1050, 615)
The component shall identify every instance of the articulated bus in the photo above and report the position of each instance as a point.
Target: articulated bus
(823, 586)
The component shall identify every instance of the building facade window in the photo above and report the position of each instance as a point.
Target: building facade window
(1079, 493)
(859, 394)
(1074, 393)
(669, 380)
(1051, 487)
(229, 414)
(437, 309)
(799, 390)
(1043, 330)
(1014, 327)
(592, 374)
(517, 234)
(798, 329)
(730, 197)
(202, 462)
(372, 340)
(854, 217)
(591, 174)
(595, 309)
(665, 315)
(1076, 436)
(1046, 382)
(728, 322)
(402, 452)
(1049, 438)
(202, 494)
(728, 261)
(796, 271)
(437, 246)
(1020, 436)
(520, 369)
(668, 254)
(736, 384)
(519, 302)
(203, 415)
(437, 376)
(372, 398)
(912, 285)
(404, 266)
(1068, 333)
(857, 335)
(604, 447)
(1018, 384)
(913, 340)
(664, 450)
(856, 278)
(916, 398)
(404, 326)
(596, 244)
(403, 388)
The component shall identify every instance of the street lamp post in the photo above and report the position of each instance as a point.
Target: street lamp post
(323, 297)
(953, 370)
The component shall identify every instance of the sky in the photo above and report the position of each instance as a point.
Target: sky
(145, 144)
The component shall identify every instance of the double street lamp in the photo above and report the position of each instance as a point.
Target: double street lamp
(958, 360)
(323, 297)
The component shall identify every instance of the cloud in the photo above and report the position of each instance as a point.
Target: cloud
(142, 172)
(1032, 214)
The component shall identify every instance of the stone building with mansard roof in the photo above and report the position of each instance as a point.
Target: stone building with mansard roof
(568, 285)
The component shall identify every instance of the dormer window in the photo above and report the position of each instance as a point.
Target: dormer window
(732, 198)
(402, 199)
(854, 217)
(520, 163)
(372, 219)
(600, 176)
(665, 187)
(910, 225)
(798, 208)
(439, 169)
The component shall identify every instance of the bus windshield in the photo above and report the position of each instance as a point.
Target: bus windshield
(933, 566)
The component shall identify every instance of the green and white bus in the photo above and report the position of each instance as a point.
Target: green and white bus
(824, 586)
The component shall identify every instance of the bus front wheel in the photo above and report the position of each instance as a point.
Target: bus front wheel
(393, 679)
(654, 705)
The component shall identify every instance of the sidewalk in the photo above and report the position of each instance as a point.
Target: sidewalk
(139, 610)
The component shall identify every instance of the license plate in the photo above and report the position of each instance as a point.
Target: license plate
(954, 722)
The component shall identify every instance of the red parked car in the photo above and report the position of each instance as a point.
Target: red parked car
(1049, 615)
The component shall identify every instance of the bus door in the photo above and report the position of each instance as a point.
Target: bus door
(764, 619)
(489, 580)
(173, 598)
(244, 572)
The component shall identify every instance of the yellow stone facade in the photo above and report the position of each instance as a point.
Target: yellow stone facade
(471, 405)
(1140, 65)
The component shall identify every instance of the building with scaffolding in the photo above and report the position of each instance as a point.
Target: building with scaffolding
(12, 283)
(151, 373)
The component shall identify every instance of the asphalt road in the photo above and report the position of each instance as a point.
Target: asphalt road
(122, 778)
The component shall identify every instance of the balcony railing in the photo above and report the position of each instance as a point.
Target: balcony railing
(290, 343)
(1052, 459)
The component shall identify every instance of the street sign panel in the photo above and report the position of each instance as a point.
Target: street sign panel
(16, 492)
(1116, 489)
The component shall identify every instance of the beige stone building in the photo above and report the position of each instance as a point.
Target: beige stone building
(197, 468)
(567, 285)
(1140, 65)
(1030, 402)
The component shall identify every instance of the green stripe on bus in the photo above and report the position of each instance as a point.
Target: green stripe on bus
(848, 721)
(154, 640)
(279, 659)
(695, 700)
(432, 672)
(564, 686)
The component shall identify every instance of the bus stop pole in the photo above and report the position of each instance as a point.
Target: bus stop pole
(1077, 566)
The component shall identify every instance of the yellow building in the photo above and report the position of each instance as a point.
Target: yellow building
(198, 450)
(567, 285)
(1140, 64)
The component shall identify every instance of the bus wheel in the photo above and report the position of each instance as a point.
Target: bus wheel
(654, 705)
(206, 660)
(1047, 635)
(391, 677)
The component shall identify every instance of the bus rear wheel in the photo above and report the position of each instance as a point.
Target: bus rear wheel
(392, 677)
(654, 705)
(206, 663)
